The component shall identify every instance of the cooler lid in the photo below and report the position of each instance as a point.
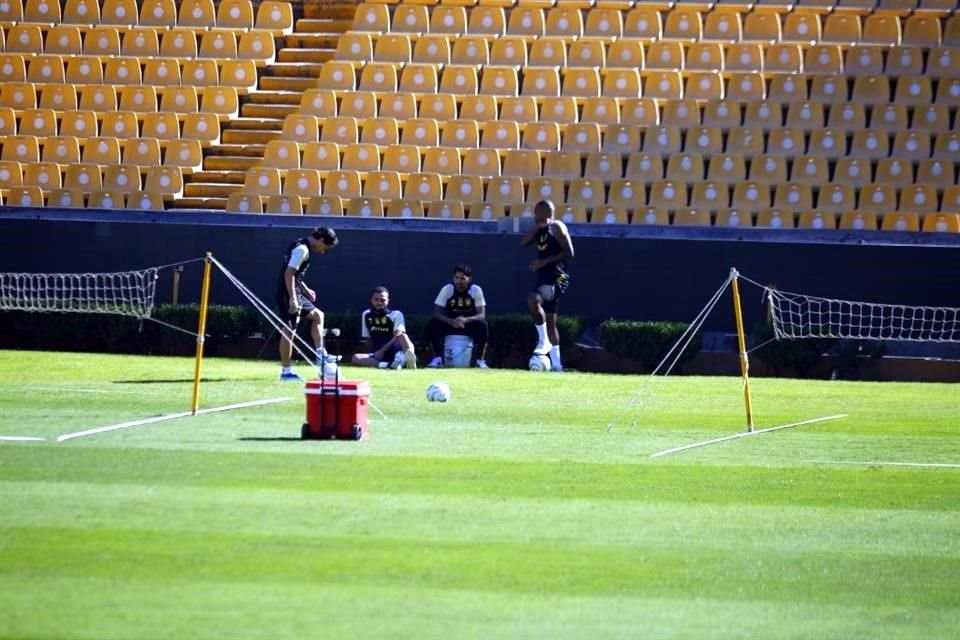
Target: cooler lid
(346, 387)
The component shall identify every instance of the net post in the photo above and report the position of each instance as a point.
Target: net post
(201, 331)
(742, 347)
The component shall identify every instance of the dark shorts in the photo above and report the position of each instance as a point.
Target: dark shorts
(283, 308)
(551, 288)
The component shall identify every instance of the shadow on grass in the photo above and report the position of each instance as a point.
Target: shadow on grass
(175, 381)
(267, 439)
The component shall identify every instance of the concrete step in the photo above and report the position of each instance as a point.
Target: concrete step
(232, 136)
(219, 177)
(324, 24)
(310, 41)
(237, 150)
(328, 11)
(254, 124)
(275, 97)
(270, 83)
(274, 111)
(315, 56)
(192, 203)
(293, 70)
(231, 163)
(210, 190)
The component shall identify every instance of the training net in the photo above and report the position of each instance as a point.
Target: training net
(797, 315)
(127, 293)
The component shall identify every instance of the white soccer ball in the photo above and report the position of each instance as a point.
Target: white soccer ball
(539, 363)
(438, 392)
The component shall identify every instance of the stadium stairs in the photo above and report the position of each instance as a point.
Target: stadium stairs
(317, 28)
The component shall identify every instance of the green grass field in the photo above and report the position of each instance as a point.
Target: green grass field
(509, 512)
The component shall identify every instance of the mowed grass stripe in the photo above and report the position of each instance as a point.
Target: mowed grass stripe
(382, 560)
(481, 519)
(827, 485)
(180, 609)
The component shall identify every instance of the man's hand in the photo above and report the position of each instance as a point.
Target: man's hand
(536, 265)
(309, 293)
(458, 323)
(294, 306)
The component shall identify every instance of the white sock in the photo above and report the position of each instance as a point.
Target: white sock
(542, 333)
(555, 357)
(285, 370)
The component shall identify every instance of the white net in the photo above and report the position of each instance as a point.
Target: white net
(129, 293)
(797, 315)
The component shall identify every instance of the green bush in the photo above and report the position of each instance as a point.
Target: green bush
(788, 357)
(648, 342)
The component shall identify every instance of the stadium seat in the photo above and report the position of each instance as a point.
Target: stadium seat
(750, 196)
(499, 81)
(361, 157)
(303, 183)
(665, 55)
(668, 194)
(24, 38)
(167, 181)
(877, 198)
(21, 149)
(122, 71)
(762, 27)
(238, 202)
(400, 208)
(141, 152)
(121, 178)
(709, 196)
(452, 20)
(602, 110)
(723, 25)
(84, 177)
(25, 197)
(185, 154)
(586, 53)
(282, 204)
(646, 167)
(505, 190)
(806, 116)
(424, 187)
(65, 199)
(102, 151)
(63, 39)
(145, 201)
(918, 197)
(161, 72)
(465, 188)
(643, 23)
(541, 136)
(582, 138)
(274, 17)
(46, 69)
(11, 12)
(662, 85)
(603, 23)
(562, 165)
(324, 206)
(38, 122)
(783, 58)
(281, 154)
(343, 184)
(562, 110)
(847, 117)
(181, 100)
(509, 51)
(444, 161)
(941, 223)
(197, 14)
(626, 54)
(526, 20)
(410, 18)
(45, 175)
(236, 15)
(769, 169)
(858, 221)
(160, 125)
(802, 27)
(937, 172)
(178, 43)
(439, 107)
(482, 162)
(732, 218)
(545, 188)
(788, 88)
(102, 199)
(84, 12)
(84, 70)
(262, 181)
(381, 131)
(524, 163)
(547, 52)
(445, 210)
(101, 41)
(604, 166)
(459, 80)
(432, 48)
(8, 122)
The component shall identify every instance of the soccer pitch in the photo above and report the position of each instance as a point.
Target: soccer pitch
(510, 512)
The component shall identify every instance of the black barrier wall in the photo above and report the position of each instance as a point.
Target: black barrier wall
(642, 278)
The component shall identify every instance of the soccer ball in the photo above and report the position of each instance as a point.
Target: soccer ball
(438, 392)
(539, 363)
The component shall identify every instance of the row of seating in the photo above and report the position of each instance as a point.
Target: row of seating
(749, 195)
(121, 125)
(158, 73)
(873, 142)
(660, 54)
(646, 22)
(140, 42)
(234, 15)
(644, 112)
(728, 218)
(219, 102)
(62, 154)
(88, 177)
(73, 199)
(584, 82)
(646, 167)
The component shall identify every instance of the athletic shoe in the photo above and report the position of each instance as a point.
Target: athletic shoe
(482, 364)
(411, 359)
(398, 361)
(542, 348)
(436, 363)
(326, 358)
(290, 376)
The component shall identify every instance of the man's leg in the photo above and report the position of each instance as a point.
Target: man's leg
(556, 364)
(435, 332)
(405, 346)
(535, 305)
(479, 331)
(286, 349)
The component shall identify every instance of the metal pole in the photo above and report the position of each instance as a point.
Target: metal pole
(742, 345)
(201, 331)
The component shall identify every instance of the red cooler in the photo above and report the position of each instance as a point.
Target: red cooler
(336, 410)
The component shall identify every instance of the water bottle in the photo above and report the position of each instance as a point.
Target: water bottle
(330, 372)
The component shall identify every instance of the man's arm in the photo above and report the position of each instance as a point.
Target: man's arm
(290, 281)
(562, 235)
(528, 239)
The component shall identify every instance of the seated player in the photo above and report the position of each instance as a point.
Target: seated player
(384, 331)
(459, 309)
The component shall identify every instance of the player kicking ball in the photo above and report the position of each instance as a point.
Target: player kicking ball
(554, 247)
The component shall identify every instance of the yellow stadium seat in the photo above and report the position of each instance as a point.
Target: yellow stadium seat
(180, 100)
(769, 169)
(853, 171)
(281, 154)
(145, 201)
(842, 29)
(161, 125)
(61, 149)
(465, 188)
(864, 60)
(871, 90)
(811, 170)
(562, 110)
(79, 124)
(167, 181)
(918, 197)
(222, 45)
(378, 76)
(340, 129)
(541, 82)
(203, 127)
(263, 181)
(750, 196)
(439, 106)
(626, 54)
(586, 53)
(324, 206)
(900, 221)
(122, 71)
(663, 139)
(526, 20)
(161, 72)
(605, 23)
(46, 69)
(424, 187)
(103, 199)
(946, 145)
(101, 41)
(274, 17)
(564, 21)
(662, 85)
(445, 210)
(588, 193)
(881, 29)
(823, 58)
(120, 124)
(523, 163)
(604, 166)
(158, 13)
(424, 132)
(450, 19)
(788, 88)
(45, 175)
(470, 50)
(500, 134)
(643, 23)
(121, 13)
(84, 70)
(25, 197)
(239, 74)
(338, 76)
(410, 18)
(762, 27)
(651, 216)
(13, 68)
(666, 55)
(584, 137)
(282, 204)
(141, 152)
(432, 48)
(65, 199)
(937, 172)
(102, 151)
(306, 128)
(827, 143)
(482, 162)
(562, 165)
(709, 196)
(858, 221)
(805, 116)
(911, 145)
(185, 154)
(847, 117)
(38, 122)
(354, 47)
(403, 159)
(505, 190)
(602, 110)
(197, 14)
(21, 149)
(238, 202)
(951, 199)
(401, 106)
(303, 183)
(728, 168)
(509, 51)
(793, 197)
(545, 188)
(324, 156)
(499, 81)
(829, 89)
(400, 208)
(441, 160)
(86, 12)
(24, 38)
(941, 223)
(948, 92)
(732, 218)
(343, 184)
(254, 45)
(548, 52)
(667, 194)
(685, 167)
(693, 216)
(776, 218)
(541, 136)
(235, 15)
(709, 56)
(394, 47)
(877, 198)
(782, 58)
(83, 177)
(222, 102)
(683, 24)
(723, 25)
(932, 117)
(10, 12)
(361, 157)
(870, 143)
(373, 17)
(921, 31)
(179, 43)
(817, 220)
(121, 179)
(460, 133)
(64, 39)
(944, 62)
(358, 104)
(626, 193)
(607, 215)
(903, 61)
(802, 27)
(319, 102)
(459, 80)
(515, 108)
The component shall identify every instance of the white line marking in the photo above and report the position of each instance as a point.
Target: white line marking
(33, 388)
(884, 463)
(22, 439)
(743, 435)
(172, 416)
